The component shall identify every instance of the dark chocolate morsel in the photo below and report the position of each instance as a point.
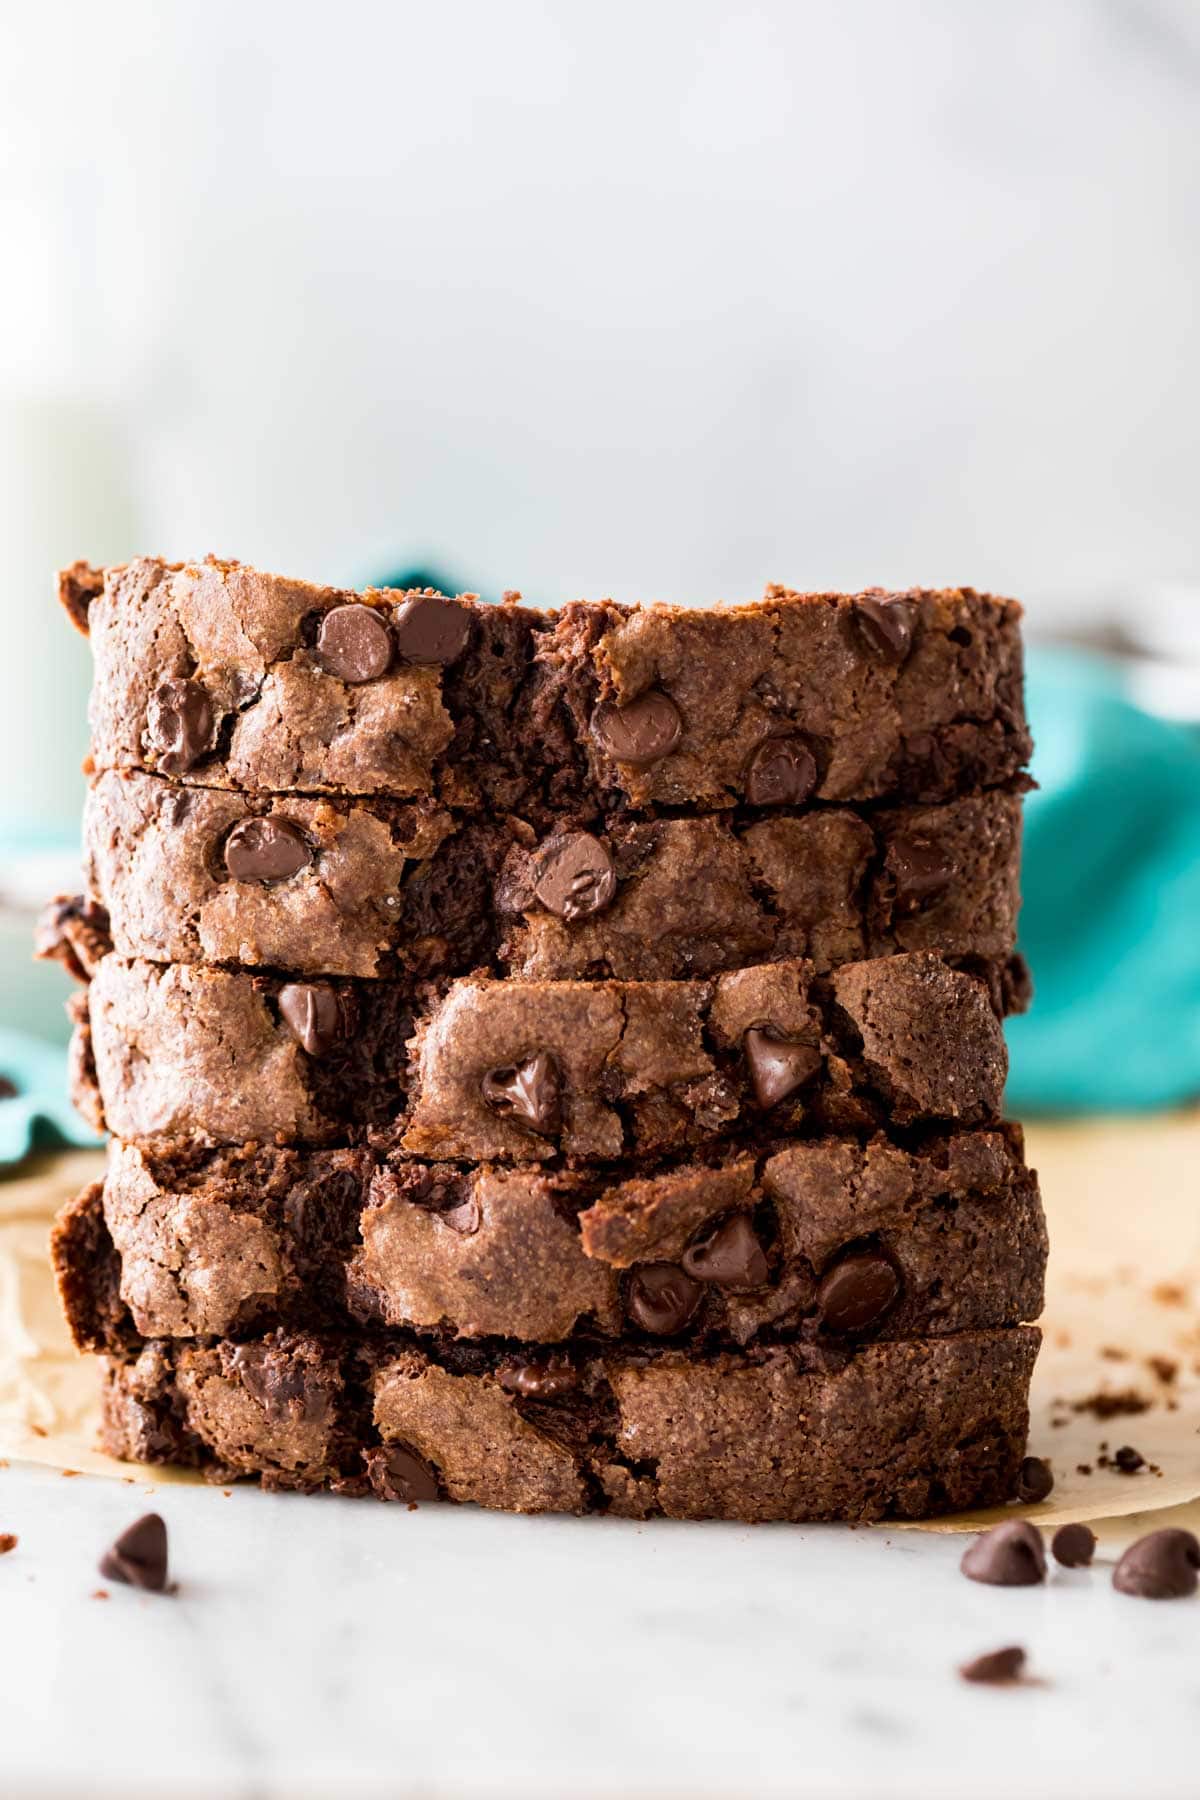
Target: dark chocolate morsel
(1160, 1566)
(782, 772)
(1009, 1555)
(397, 1473)
(661, 1298)
(530, 1092)
(641, 733)
(431, 629)
(778, 1065)
(1035, 1480)
(354, 643)
(576, 876)
(1128, 1460)
(139, 1556)
(266, 850)
(996, 1667)
(540, 1378)
(179, 723)
(857, 1290)
(920, 869)
(886, 626)
(730, 1255)
(313, 1014)
(1073, 1546)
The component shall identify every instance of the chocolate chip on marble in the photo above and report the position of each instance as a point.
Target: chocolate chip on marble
(1010, 1555)
(641, 733)
(179, 723)
(432, 630)
(730, 1254)
(1073, 1546)
(1035, 1480)
(139, 1556)
(661, 1298)
(1160, 1566)
(539, 1378)
(397, 1473)
(857, 1291)
(354, 643)
(996, 1667)
(886, 625)
(313, 1014)
(575, 877)
(266, 850)
(782, 772)
(920, 869)
(529, 1092)
(778, 1065)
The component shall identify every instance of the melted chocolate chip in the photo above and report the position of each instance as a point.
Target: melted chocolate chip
(1010, 1555)
(661, 1298)
(397, 1473)
(313, 1014)
(731, 1255)
(179, 723)
(266, 850)
(886, 626)
(782, 772)
(1160, 1566)
(641, 733)
(354, 643)
(857, 1291)
(576, 876)
(1073, 1546)
(139, 1556)
(920, 869)
(432, 630)
(529, 1092)
(997, 1667)
(1035, 1480)
(778, 1065)
(540, 1378)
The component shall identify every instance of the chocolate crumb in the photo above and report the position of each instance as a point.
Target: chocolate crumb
(1129, 1460)
(68, 1473)
(99, 1593)
(8, 1541)
(1165, 1367)
(997, 1667)
(1125, 1404)
(1169, 1293)
(1083, 1468)
(1112, 1354)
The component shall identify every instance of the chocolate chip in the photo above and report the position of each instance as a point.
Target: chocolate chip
(139, 1556)
(397, 1473)
(782, 772)
(431, 629)
(643, 732)
(778, 1065)
(541, 1378)
(996, 1667)
(1161, 1566)
(576, 877)
(731, 1255)
(1010, 1555)
(313, 1014)
(528, 1092)
(179, 723)
(920, 869)
(886, 626)
(661, 1298)
(857, 1291)
(266, 850)
(354, 643)
(1073, 1546)
(1035, 1480)
(1128, 1460)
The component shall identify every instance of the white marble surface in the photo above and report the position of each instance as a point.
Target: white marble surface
(324, 1647)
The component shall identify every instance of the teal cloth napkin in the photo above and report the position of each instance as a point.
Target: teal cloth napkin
(39, 1115)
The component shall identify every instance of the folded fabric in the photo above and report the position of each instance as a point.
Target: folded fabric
(38, 1116)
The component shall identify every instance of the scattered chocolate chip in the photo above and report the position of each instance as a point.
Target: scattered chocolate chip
(179, 723)
(431, 629)
(782, 772)
(529, 1092)
(920, 869)
(313, 1014)
(541, 1378)
(354, 643)
(7, 1088)
(1035, 1480)
(266, 850)
(997, 1667)
(778, 1065)
(139, 1556)
(1073, 1546)
(1161, 1566)
(886, 626)
(730, 1255)
(1010, 1555)
(576, 877)
(8, 1541)
(397, 1473)
(643, 732)
(857, 1291)
(1128, 1460)
(661, 1298)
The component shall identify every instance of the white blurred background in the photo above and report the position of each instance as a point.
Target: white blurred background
(652, 300)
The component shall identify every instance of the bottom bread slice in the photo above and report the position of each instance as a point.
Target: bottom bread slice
(904, 1429)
